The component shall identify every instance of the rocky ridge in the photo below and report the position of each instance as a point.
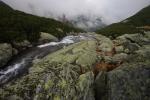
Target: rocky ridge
(96, 69)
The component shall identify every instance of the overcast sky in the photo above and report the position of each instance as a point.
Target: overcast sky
(110, 10)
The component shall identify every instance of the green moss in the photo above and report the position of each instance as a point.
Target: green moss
(63, 84)
(48, 84)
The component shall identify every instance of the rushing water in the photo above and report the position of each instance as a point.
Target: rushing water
(20, 64)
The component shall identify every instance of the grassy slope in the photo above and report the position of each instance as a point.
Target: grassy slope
(17, 26)
(130, 25)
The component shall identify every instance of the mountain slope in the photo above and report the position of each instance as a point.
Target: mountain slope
(17, 26)
(138, 23)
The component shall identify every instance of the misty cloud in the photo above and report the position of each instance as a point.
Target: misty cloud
(109, 10)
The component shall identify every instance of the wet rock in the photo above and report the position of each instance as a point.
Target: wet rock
(46, 37)
(6, 52)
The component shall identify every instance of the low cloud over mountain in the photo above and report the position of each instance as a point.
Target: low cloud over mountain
(109, 11)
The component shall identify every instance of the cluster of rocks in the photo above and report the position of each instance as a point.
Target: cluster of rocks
(131, 79)
(96, 69)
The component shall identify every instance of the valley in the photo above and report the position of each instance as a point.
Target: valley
(46, 59)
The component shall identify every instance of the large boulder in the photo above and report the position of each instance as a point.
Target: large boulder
(6, 52)
(104, 44)
(64, 75)
(46, 37)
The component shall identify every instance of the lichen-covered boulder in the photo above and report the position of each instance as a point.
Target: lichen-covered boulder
(84, 87)
(46, 37)
(6, 52)
(64, 75)
(105, 44)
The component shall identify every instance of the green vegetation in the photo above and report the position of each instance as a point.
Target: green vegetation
(138, 23)
(18, 26)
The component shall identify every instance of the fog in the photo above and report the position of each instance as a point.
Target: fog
(109, 10)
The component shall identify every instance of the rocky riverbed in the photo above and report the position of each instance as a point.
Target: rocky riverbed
(93, 68)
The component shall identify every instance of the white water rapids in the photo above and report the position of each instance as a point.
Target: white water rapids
(66, 40)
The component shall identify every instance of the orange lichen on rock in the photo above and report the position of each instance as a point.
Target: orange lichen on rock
(103, 66)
